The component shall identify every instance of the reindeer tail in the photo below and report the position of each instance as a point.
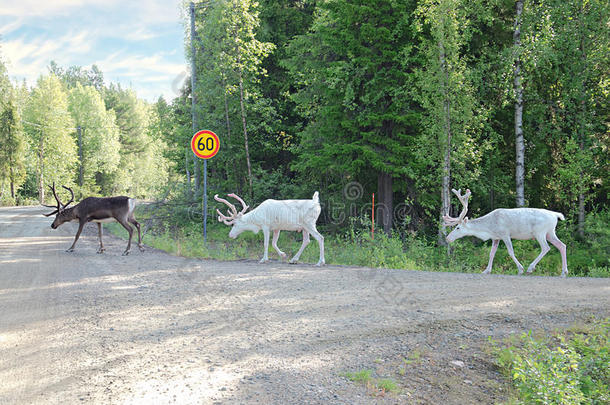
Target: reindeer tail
(315, 197)
(560, 215)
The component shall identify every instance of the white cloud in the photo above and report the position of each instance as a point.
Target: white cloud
(151, 76)
(37, 8)
(30, 58)
(11, 26)
(132, 42)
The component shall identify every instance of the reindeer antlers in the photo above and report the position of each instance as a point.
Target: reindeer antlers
(60, 207)
(233, 215)
(449, 221)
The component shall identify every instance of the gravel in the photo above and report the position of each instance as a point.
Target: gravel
(155, 328)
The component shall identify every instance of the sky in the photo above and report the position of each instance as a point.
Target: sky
(139, 44)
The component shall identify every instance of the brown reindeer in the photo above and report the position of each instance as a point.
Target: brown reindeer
(98, 210)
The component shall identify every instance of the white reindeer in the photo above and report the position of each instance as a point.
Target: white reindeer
(506, 224)
(275, 216)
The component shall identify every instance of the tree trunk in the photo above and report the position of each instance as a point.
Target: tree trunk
(189, 191)
(11, 179)
(445, 196)
(385, 202)
(224, 87)
(583, 118)
(243, 120)
(193, 96)
(197, 176)
(228, 123)
(41, 166)
(519, 142)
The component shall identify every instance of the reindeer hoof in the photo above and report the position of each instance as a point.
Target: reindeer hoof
(70, 250)
(100, 251)
(141, 249)
(282, 255)
(319, 264)
(263, 260)
(486, 271)
(125, 253)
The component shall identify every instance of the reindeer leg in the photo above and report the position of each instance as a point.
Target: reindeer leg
(99, 231)
(266, 243)
(137, 224)
(494, 247)
(317, 236)
(276, 235)
(545, 249)
(562, 249)
(509, 247)
(303, 246)
(80, 229)
(126, 225)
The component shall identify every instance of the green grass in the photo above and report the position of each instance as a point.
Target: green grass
(387, 385)
(365, 377)
(362, 376)
(403, 250)
(572, 367)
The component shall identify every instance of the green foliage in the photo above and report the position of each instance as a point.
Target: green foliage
(12, 150)
(50, 134)
(142, 162)
(340, 91)
(100, 137)
(229, 70)
(569, 368)
(350, 90)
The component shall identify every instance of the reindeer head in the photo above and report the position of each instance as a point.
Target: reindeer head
(61, 215)
(234, 218)
(461, 221)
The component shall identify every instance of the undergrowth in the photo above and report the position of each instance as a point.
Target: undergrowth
(402, 250)
(572, 367)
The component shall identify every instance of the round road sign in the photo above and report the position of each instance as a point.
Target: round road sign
(205, 144)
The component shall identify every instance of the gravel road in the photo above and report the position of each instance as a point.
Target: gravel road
(154, 328)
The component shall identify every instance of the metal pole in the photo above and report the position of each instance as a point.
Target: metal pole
(205, 199)
(194, 117)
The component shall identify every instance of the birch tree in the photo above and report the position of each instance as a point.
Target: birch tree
(12, 147)
(518, 88)
(100, 146)
(445, 93)
(50, 133)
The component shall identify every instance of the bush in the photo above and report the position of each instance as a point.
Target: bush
(570, 368)
(177, 228)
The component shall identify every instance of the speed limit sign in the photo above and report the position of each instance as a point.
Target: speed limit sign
(205, 144)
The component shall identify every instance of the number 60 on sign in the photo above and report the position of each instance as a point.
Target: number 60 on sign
(205, 144)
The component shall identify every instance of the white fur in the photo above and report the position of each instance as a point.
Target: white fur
(515, 223)
(281, 215)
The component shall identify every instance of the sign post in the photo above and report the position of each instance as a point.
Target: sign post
(205, 145)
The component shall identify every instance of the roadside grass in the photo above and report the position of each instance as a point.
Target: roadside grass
(364, 377)
(570, 367)
(402, 250)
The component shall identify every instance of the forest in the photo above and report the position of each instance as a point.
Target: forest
(405, 99)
